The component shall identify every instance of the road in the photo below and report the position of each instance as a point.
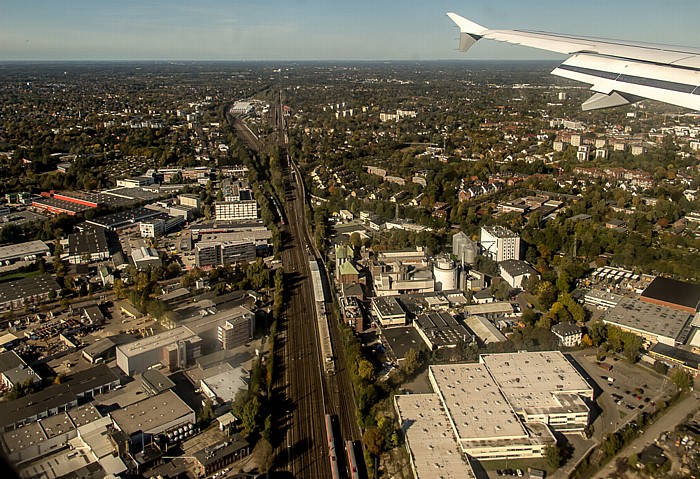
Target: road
(667, 422)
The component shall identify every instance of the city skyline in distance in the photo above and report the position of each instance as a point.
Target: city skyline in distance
(214, 30)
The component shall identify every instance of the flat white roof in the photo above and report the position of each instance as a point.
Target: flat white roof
(156, 341)
(430, 438)
(475, 403)
(227, 384)
(532, 380)
(17, 251)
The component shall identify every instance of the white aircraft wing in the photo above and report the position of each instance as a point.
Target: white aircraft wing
(620, 72)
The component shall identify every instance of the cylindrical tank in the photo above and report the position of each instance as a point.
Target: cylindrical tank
(445, 273)
(469, 252)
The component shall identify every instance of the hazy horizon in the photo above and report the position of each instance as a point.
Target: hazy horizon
(314, 30)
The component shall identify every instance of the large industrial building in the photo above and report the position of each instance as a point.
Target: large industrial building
(499, 243)
(655, 323)
(493, 410)
(174, 349)
(433, 452)
(29, 250)
(16, 294)
(87, 246)
(673, 294)
(159, 414)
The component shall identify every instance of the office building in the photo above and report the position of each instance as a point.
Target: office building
(236, 331)
(236, 210)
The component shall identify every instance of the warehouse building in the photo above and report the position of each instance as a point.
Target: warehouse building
(432, 451)
(39, 438)
(15, 294)
(57, 398)
(655, 323)
(159, 414)
(27, 251)
(673, 294)
(175, 348)
(493, 409)
(87, 246)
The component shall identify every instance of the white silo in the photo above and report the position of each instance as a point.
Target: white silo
(445, 272)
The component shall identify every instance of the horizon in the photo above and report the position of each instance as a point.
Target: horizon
(312, 30)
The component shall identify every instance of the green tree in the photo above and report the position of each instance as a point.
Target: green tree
(598, 332)
(365, 371)
(632, 344)
(411, 362)
(552, 457)
(374, 441)
(681, 378)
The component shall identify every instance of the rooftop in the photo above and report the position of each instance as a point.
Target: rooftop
(687, 358)
(156, 381)
(516, 267)
(485, 331)
(499, 231)
(489, 308)
(215, 452)
(475, 403)
(442, 329)
(27, 287)
(388, 306)
(33, 404)
(227, 384)
(156, 341)
(151, 413)
(124, 218)
(89, 241)
(648, 318)
(673, 291)
(428, 433)
(20, 250)
(553, 375)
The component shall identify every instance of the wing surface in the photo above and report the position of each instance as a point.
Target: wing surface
(619, 72)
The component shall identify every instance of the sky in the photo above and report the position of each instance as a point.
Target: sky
(206, 30)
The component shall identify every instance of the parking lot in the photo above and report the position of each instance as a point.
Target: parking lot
(634, 388)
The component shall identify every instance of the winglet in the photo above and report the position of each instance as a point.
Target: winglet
(470, 32)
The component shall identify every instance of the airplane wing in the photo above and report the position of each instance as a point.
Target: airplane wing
(619, 72)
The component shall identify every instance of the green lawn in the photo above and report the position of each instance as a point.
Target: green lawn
(13, 276)
(523, 464)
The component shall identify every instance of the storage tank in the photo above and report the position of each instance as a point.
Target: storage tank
(445, 272)
(469, 252)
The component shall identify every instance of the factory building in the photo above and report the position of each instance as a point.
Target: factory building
(499, 243)
(493, 409)
(161, 414)
(174, 349)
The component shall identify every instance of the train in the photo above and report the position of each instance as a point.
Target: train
(354, 471)
(335, 470)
